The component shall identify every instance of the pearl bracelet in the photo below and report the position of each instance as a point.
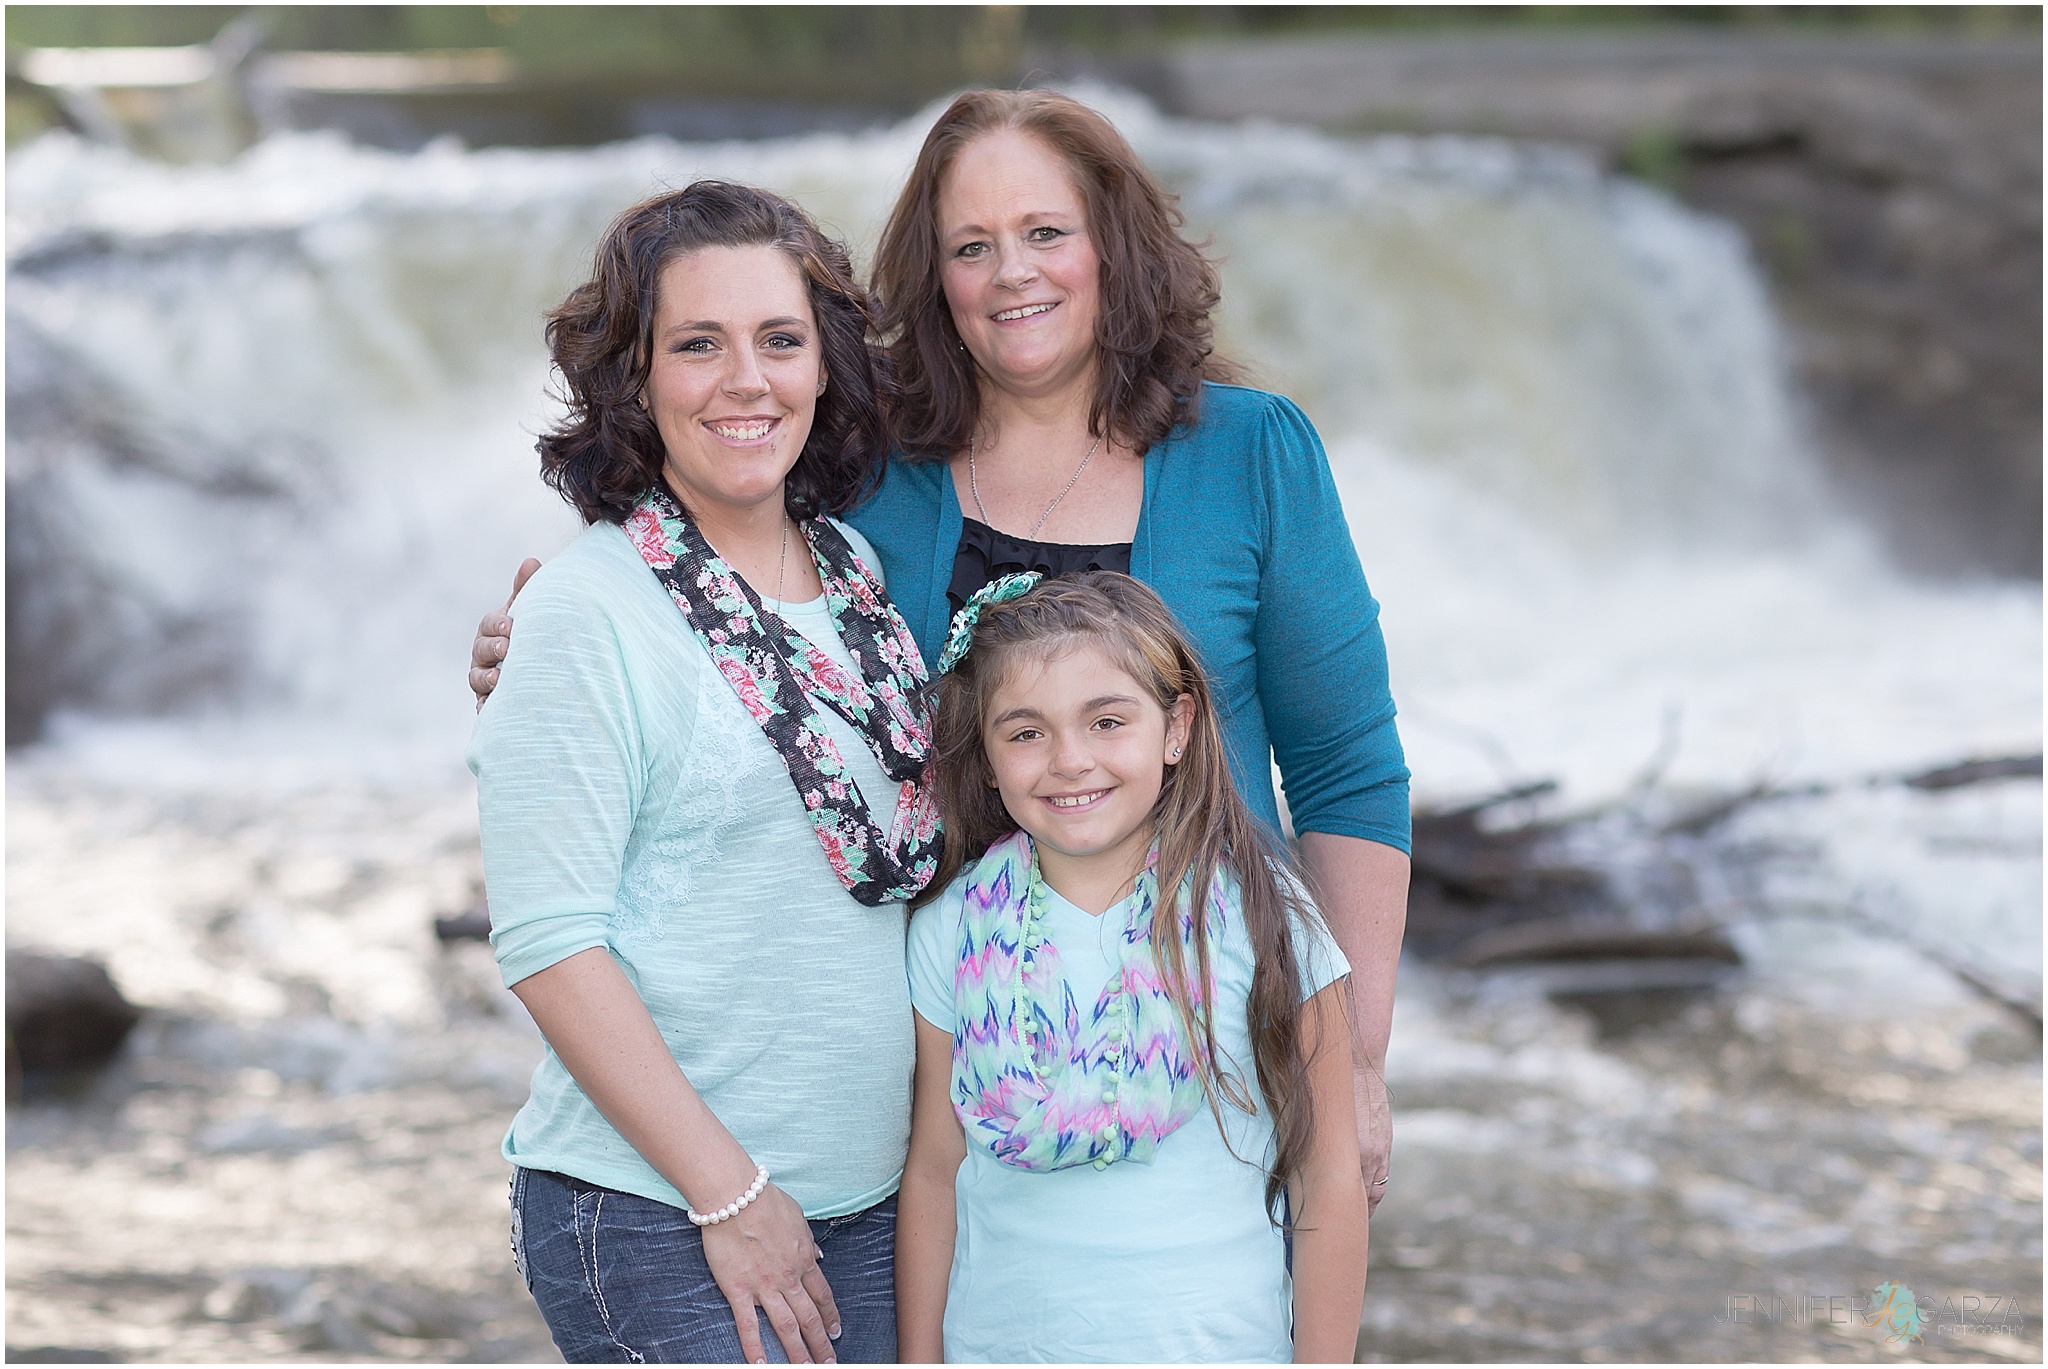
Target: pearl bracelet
(736, 1206)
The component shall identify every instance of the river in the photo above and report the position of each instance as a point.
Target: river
(270, 433)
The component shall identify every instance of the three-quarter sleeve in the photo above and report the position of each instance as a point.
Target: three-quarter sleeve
(558, 757)
(1322, 663)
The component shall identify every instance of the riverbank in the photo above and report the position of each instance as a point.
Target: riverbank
(295, 1159)
(296, 1156)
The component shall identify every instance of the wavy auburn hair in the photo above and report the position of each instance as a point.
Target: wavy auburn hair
(1204, 829)
(1153, 336)
(607, 452)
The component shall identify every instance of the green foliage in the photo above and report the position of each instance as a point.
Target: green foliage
(876, 57)
(1657, 155)
(29, 112)
(1789, 247)
(574, 40)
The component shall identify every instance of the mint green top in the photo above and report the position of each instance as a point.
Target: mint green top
(1168, 1262)
(628, 801)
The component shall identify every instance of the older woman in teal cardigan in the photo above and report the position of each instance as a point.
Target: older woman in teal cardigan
(1059, 407)
(1240, 530)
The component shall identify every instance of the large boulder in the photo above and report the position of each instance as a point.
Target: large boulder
(63, 1013)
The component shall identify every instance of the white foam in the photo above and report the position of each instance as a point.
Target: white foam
(1555, 405)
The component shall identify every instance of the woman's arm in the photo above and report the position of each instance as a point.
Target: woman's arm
(1322, 671)
(1328, 1197)
(924, 1211)
(561, 758)
(1363, 888)
(765, 1256)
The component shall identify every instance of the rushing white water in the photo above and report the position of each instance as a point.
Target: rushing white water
(270, 456)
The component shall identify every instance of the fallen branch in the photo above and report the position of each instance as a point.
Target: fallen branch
(1474, 884)
(1572, 938)
(1975, 772)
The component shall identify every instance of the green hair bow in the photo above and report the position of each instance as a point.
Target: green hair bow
(961, 635)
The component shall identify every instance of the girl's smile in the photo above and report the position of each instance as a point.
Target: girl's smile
(1079, 752)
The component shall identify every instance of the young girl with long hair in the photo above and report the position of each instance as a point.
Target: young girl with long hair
(1133, 1076)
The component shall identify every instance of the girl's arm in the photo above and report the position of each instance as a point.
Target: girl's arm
(765, 1256)
(1328, 1196)
(924, 1210)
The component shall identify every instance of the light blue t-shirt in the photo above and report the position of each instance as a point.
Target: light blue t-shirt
(629, 801)
(1169, 1262)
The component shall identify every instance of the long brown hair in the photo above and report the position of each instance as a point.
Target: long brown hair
(1153, 336)
(1205, 829)
(606, 452)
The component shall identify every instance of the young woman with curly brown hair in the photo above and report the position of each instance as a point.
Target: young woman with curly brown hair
(700, 814)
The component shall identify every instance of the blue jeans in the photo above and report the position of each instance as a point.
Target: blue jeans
(621, 1279)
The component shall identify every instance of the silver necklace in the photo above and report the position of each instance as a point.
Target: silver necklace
(975, 485)
(782, 561)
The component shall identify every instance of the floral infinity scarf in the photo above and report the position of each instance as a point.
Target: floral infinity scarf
(778, 673)
(1037, 1083)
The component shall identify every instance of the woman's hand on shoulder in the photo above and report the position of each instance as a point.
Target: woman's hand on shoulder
(494, 638)
(766, 1257)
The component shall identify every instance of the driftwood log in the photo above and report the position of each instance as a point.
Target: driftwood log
(1470, 880)
(1488, 895)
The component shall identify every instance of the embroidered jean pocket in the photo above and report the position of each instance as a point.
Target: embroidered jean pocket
(518, 1195)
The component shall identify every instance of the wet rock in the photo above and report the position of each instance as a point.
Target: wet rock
(63, 1013)
(61, 1354)
(1618, 1014)
(260, 1133)
(77, 620)
(233, 1301)
(344, 1311)
(472, 924)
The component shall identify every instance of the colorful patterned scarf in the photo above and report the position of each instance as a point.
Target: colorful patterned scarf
(777, 673)
(1036, 1084)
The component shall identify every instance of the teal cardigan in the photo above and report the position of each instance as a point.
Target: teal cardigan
(1242, 535)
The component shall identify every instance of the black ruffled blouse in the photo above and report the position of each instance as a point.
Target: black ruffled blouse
(986, 555)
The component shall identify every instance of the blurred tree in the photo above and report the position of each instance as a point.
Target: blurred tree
(597, 72)
(576, 39)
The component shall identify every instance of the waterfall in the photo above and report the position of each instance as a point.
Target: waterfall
(308, 381)
(270, 432)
